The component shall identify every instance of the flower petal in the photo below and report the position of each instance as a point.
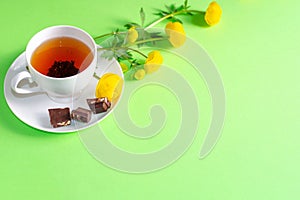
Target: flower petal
(213, 13)
(139, 74)
(176, 33)
(132, 35)
(153, 62)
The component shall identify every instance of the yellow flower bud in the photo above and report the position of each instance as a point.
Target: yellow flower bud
(176, 33)
(213, 13)
(132, 35)
(124, 67)
(110, 85)
(139, 74)
(153, 61)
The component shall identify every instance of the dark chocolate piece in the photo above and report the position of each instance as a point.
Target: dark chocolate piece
(99, 105)
(59, 117)
(81, 114)
(62, 69)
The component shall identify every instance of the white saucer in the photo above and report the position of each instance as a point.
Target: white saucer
(33, 109)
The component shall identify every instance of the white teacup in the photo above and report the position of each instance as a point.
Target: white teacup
(58, 89)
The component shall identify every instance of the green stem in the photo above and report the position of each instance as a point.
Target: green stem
(132, 49)
(137, 51)
(108, 34)
(172, 15)
(96, 76)
(104, 35)
(128, 48)
(136, 43)
(163, 18)
(132, 64)
(148, 40)
(103, 48)
(196, 11)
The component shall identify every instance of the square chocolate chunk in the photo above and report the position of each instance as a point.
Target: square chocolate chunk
(59, 117)
(99, 105)
(81, 114)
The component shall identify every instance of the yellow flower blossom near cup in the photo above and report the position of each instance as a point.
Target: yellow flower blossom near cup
(124, 67)
(153, 61)
(176, 33)
(213, 13)
(139, 74)
(109, 85)
(132, 35)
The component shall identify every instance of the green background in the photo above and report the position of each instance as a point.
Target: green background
(256, 49)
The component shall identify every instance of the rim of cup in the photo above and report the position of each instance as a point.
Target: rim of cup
(28, 59)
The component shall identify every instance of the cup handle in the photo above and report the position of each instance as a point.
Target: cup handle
(18, 78)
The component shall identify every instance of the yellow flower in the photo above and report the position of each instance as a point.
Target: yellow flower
(109, 85)
(176, 33)
(213, 13)
(132, 35)
(139, 74)
(124, 67)
(153, 61)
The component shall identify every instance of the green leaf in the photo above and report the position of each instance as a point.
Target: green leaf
(108, 54)
(174, 19)
(117, 41)
(129, 55)
(142, 15)
(120, 52)
(180, 8)
(143, 35)
(129, 75)
(185, 4)
(156, 35)
(132, 24)
(128, 26)
(172, 7)
(126, 56)
(168, 8)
